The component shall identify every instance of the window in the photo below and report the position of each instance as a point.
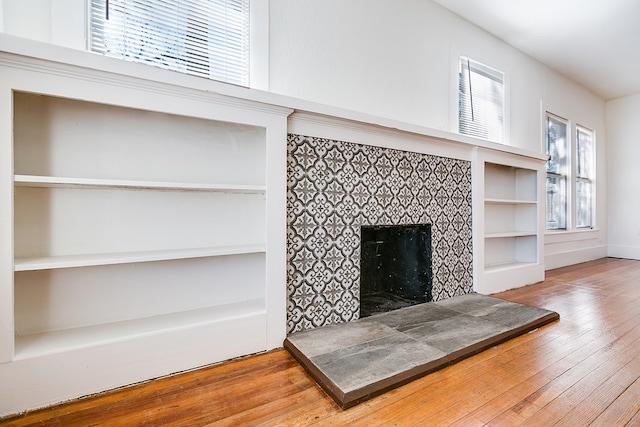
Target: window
(570, 175)
(207, 38)
(584, 177)
(481, 100)
(557, 150)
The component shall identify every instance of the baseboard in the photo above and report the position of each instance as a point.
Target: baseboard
(562, 259)
(620, 251)
(38, 382)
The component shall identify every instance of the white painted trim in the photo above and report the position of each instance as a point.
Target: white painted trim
(104, 87)
(276, 216)
(42, 381)
(457, 52)
(325, 118)
(113, 70)
(562, 259)
(551, 237)
(322, 126)
(622, 251)
(500, 280)
(395, 135)
(6, 223)
(1, 16)
(259, 45)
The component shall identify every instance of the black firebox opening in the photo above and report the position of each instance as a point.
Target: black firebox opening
(395, 267)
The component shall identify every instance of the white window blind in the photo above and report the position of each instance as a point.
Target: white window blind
(207, 38)
(481, 96)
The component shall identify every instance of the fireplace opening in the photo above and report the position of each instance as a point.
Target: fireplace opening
(395, 267)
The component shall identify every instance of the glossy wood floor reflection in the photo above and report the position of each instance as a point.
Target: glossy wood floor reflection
(582, 370)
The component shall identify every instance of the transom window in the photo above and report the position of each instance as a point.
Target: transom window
(481, 100)
(207, 38)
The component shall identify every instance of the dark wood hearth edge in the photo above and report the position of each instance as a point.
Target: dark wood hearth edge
(352, 398)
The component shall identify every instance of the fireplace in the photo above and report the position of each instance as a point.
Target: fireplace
(334, 189)
(395, 267)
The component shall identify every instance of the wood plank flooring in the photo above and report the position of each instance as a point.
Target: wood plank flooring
(583, 370)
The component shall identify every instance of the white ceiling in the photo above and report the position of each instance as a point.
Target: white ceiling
(594, 42)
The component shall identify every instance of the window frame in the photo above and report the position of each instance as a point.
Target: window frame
(560, 172)
(585, 174)
(574, 175)
(255, 30)
(464, 67)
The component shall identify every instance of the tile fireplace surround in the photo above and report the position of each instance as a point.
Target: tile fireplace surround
(335, 187)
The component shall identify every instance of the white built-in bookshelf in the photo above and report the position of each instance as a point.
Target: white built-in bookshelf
(125, 218)
(509, 240)
(143, 232)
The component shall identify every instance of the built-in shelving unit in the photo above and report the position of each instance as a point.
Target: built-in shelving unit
(114, 215)
(142, 231)
(79, 205)
(509, 241)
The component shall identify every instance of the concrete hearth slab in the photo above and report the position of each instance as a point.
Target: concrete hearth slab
(358, 360)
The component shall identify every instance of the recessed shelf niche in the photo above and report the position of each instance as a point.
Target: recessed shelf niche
(508, 236)
(130, 223)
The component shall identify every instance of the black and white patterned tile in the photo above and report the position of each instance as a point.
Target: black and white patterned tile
(334, 188)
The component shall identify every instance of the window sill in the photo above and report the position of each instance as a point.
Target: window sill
(555, 236)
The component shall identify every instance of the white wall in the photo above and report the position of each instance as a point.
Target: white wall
(62, 22)
(623, 152)
(398, 59)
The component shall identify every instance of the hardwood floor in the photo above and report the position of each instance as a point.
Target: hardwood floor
(582, 370)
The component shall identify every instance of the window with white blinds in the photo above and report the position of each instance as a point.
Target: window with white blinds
(481, 100)
(207, 38)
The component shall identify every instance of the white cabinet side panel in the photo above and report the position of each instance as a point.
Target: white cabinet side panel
(6, 224)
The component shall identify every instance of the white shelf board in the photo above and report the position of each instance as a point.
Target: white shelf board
(509, 202)
(89, 260)
(506, 266)
(510, 234)
(28, 346)
(67, 182)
